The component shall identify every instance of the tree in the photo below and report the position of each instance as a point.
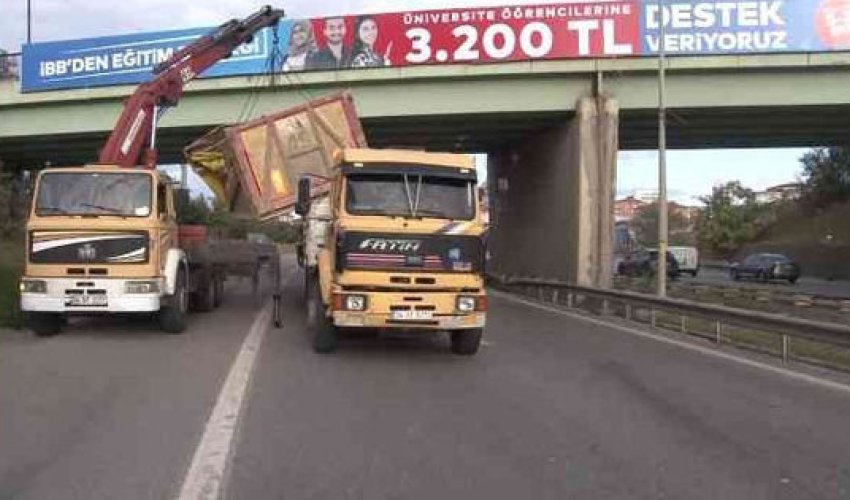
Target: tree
(645, 225)
(731, 218)
(826, 172)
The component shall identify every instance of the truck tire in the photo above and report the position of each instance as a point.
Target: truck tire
(45, 324)
(203, 299)
(172, 317)
(466, 342)
(325, 334)
(218, 288)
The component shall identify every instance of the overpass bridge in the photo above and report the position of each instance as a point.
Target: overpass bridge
(551, 129)
(718, 101)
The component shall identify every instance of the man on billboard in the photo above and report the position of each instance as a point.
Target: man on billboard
(335, 54)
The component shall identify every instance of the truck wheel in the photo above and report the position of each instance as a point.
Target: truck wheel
(325, 334)
(45, 324)
(204, 298)
(172, 318)
(466, 342)
(218, 288)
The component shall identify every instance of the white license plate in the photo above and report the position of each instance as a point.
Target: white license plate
(412, 315)
(85, 300)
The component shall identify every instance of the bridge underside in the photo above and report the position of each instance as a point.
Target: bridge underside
(687, 129)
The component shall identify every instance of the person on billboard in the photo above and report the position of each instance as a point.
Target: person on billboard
(365, 35)
(335, 55)
(302, 43)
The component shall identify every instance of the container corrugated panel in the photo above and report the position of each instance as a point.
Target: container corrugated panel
(272, 152)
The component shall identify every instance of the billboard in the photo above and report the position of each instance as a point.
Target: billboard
(741, 27)
(475, 35)
(129, 59)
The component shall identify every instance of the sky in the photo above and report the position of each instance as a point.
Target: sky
(691, 173)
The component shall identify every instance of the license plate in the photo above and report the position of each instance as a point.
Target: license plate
(85, 300)
(412, 315)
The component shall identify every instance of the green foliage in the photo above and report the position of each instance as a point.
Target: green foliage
(194, 211)
(227, 225)
(645, 224)
(11, 263)
(732, 217)
(827, 176)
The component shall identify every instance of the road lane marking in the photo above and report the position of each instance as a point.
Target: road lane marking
(206, 473)
(829, 384)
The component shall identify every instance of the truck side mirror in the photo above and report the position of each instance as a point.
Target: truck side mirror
(302, 206)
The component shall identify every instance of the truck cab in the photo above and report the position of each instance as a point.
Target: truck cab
(401, 246)
(100, 239)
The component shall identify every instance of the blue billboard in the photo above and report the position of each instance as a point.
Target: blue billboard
(590, 28)
(745, 26)
(129, 59)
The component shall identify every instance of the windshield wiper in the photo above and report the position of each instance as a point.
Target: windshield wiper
(432, 213)
(112, 210)
(53, 209)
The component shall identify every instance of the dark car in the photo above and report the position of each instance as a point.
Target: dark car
(645, 262)
(766, 267)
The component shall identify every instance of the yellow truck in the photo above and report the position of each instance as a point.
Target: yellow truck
(104, 239)
(392, 239)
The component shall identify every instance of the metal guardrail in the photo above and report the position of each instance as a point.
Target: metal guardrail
(569, 295)
(790, 297)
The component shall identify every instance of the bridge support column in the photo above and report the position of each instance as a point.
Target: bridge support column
(552, 199)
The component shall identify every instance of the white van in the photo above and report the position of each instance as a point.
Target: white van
(688, 259)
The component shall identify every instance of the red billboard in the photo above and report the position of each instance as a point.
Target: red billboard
(474, 35)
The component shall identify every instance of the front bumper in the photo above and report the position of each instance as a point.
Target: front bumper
(56, 300)
(381, 305)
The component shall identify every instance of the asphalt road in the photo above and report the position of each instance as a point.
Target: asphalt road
(806, 284)
(552, 407)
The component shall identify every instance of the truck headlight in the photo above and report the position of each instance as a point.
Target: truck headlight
(141, 287)
(355, 302)
(465, 303)
(33, 286)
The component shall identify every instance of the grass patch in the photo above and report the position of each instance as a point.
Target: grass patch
(11, 266)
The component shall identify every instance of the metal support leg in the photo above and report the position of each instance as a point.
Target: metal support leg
(277, 315)
(684, 324)
(718, 331)
(786, 347)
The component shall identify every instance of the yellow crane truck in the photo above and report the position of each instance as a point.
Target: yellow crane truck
(104, 239)
(391, 239)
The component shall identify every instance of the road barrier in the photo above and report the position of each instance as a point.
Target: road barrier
(814, 306)
(632, 305)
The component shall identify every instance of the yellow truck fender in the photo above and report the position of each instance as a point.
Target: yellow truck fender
(175, 260)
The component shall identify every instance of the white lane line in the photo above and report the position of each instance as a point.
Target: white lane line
(206, 473)
(829, 384)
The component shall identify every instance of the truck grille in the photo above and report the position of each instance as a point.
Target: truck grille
(410, 252)
(88, 247)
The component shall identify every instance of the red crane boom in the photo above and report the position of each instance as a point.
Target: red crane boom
(132, 134)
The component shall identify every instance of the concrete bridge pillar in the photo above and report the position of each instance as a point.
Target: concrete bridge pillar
(552, 199)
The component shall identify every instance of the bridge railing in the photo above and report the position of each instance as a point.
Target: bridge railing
(766, 332)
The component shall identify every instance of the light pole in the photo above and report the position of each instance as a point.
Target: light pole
(662, 157)
(29, 22)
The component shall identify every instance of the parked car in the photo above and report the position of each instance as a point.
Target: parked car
(687, 258)
(645, 262)
(766, 267)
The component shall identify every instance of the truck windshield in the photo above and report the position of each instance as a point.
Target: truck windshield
(410, 195)
(96, 193)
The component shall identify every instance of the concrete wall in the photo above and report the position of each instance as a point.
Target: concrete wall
(552, 197)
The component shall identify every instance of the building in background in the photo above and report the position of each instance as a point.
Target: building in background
(626, 208)
(780, 192)
(8, 65)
